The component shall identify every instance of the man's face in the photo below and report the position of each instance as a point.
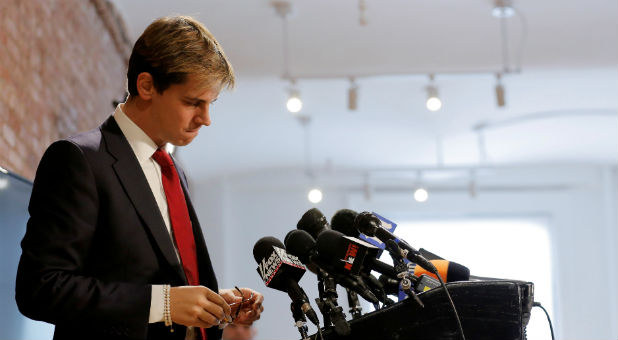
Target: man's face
(179, 112)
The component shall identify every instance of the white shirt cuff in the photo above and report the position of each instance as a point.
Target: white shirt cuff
(156, 304)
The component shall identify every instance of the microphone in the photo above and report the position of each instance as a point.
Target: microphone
(282, 271)
(345, 253)
(349, 252)
(449, 271)
(302, 244)
(299, 320)
(368, 224)
(313, 222)
(343, 221)
(391, 286)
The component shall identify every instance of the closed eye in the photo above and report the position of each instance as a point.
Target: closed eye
(195, 103)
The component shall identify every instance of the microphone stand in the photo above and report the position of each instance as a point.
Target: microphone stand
(355, 307)
(327, 304)
(403, 273)
(299, 320)
(377, 288)
(322, 297)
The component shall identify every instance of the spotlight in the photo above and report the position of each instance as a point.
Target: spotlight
(503, 9)
(294, 104)
(421, 195)
(499, 92)
(352, 95)
(315, 195)
(433, 100)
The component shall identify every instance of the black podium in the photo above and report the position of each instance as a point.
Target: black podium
(488, 310)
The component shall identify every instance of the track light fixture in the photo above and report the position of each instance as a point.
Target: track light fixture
(420, 193)
(362, 8)
(499, 91)
(352, 95)
(315, 195)
(294, 104)
(433, 100)
(503, 9)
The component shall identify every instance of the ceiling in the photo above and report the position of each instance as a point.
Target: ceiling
(561, 84)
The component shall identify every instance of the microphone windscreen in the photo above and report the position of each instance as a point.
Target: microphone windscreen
(367, 223)
(449, 271)
(458, 272)
(344, 253)
(313, 222)
(263, 247)
(343, 221)
(299, 243)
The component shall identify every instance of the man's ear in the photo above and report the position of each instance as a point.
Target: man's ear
(145, 86)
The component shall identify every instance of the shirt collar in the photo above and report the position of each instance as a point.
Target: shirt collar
(142, 145)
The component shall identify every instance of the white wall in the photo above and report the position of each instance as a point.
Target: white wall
(580, 202)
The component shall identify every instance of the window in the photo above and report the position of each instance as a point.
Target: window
(517, 249)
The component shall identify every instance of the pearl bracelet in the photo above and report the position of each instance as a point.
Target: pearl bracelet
(167, 312)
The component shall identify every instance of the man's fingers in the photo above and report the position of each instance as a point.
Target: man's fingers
(218, 300)
(209, 319)
(198, 306)
(215, 310)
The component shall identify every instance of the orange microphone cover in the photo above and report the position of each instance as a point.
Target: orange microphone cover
(449, 271)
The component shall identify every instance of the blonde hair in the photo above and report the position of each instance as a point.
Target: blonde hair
(172, 48)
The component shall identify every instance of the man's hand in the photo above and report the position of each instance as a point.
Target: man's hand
(250, 310)
(197, 306)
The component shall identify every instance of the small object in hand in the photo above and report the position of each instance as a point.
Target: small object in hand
(241, 302)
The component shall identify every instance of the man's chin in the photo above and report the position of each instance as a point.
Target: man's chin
(183, 142)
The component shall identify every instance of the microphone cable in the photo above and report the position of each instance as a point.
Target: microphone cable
(450, 300)
(432, 268)
(551, 328)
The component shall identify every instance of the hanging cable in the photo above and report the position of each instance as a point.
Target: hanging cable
(522, 41)
(551, 328)
(505, 48)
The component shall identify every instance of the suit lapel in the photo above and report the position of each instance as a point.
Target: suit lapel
(131, 176)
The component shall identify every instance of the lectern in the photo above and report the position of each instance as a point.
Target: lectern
(489, 310)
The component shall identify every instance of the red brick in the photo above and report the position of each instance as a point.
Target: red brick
(51, 73)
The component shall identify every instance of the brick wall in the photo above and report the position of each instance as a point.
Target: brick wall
(62, 63)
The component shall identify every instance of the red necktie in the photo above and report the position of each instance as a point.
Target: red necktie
(179, 217)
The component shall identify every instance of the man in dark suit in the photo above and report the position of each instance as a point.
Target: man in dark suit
(113, 248)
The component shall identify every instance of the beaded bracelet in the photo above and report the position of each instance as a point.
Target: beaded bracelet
(167, 312)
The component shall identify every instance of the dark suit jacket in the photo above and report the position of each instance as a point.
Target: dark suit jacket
(96, 242)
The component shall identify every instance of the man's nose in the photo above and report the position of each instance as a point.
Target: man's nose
(203, 118)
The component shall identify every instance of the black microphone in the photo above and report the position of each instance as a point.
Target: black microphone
(370, 225)
(346, 253)
(391, 286)
(282, 271)
(313, 222)
(343, 221)
(303, 245)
